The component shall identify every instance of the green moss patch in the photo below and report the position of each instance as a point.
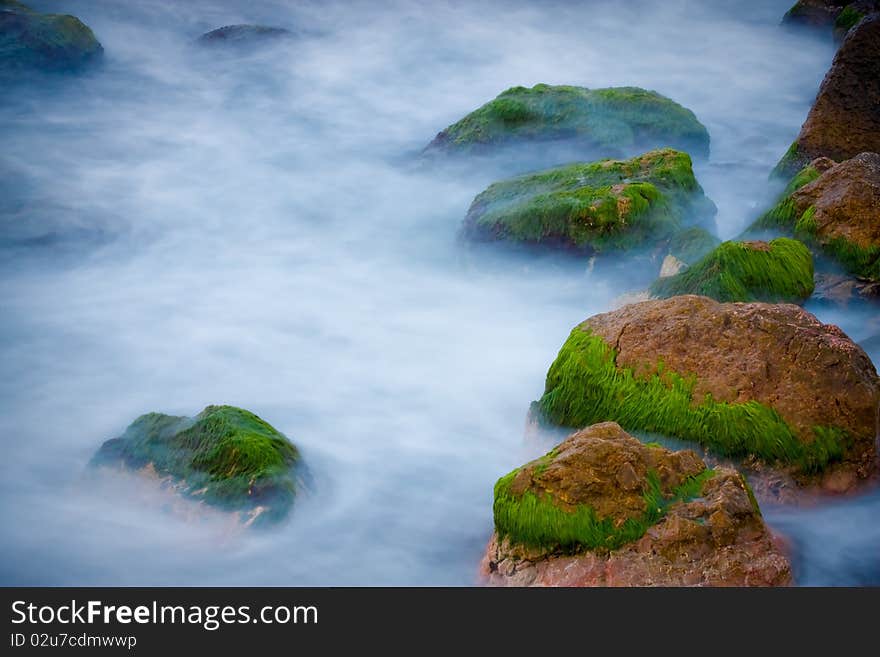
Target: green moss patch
(781, 270)
(598, 206)
(225, 455)
(584, 386)
(792, 162)
(616, 120)
(536, 521)
(848, 18)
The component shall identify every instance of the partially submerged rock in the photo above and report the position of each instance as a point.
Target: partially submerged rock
(837, 16)
(31, 41)
(603, 509)
(614, 122)
(225, 456)
(611, 204)
(755, 380)
(836, 209)
(691, 244)
(780, 270)
(243, 35)
(845, 119)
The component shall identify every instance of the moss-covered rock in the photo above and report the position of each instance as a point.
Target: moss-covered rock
(834, 208)
(845, 118)
(781, 270)
(611, 204)
(226, 456)
(243, 35)
(614, 122)
(744, 379)
(32, 41)
(615, 511)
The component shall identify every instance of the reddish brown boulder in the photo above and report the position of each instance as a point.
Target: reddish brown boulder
(845, 119)
(712, 535)
(846, 202)
(806, 382)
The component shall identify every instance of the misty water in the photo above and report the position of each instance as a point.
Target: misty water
(181, 228)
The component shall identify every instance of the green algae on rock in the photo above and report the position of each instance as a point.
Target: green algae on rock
(781, 270)
(834, 208)
(618, 121)
(226, 456)
(610, 204)
(837, 15)
(602, 508)
(536, 519)
(47, 42)
(744, 379)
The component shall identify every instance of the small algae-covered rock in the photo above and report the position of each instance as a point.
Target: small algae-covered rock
(243, 35)
(837, 16)
(780, 270)
(837, 210)
(603, 509)
(766, 381)
(845, 119)
(226, 456)
(611, 204)
(30, 41)
(614, 122)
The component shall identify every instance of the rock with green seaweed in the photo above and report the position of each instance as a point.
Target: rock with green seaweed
(31, 41)
(603, 509)
(830, 16)
(594, 207)
(589, 123)
(762, 381)
(780, 270)
(845, 118)
(836, 210)
(225, 456)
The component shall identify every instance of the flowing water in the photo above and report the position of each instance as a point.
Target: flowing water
(182, 228)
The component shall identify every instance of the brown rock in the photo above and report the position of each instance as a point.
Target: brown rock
(840, 289)
(780, 355)
(845, 119)
(847, 200)
(717, 539)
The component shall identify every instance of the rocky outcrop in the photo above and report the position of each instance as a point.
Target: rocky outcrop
(603, 509)
(768, 382)
(226, 457)
(845, 119)
(606, 205)
(31, 41)
(836, 209)
(243, 35)
(780, 270)
(590, 123)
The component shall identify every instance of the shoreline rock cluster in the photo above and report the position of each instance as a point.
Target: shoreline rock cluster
(721, 357)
